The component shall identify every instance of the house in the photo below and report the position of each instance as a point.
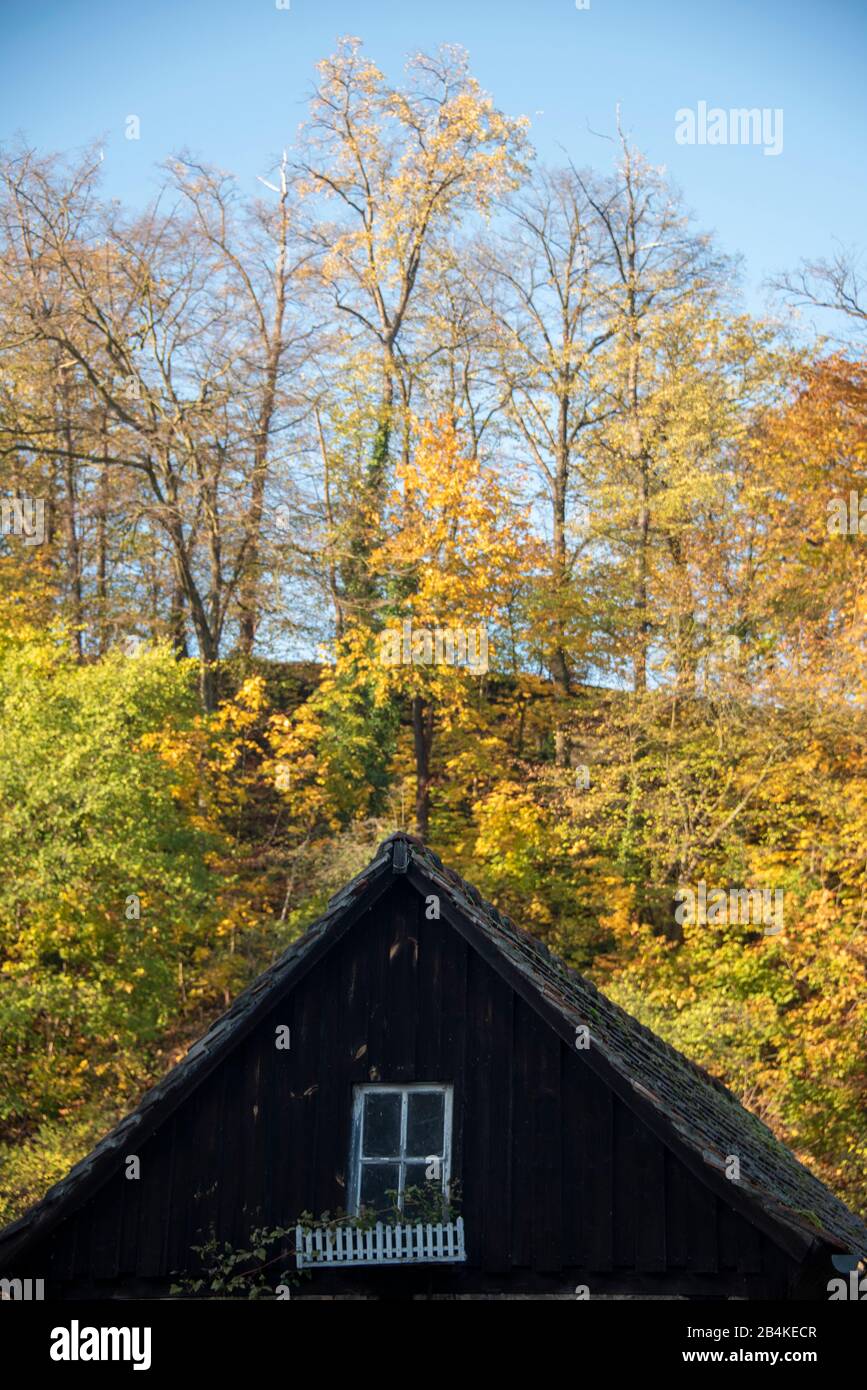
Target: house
(415, 1036)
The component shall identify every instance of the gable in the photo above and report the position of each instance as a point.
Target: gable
(566, 1159)
(556, 1171)
(677, 1099)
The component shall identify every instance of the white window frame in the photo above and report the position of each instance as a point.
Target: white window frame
(358, 1162)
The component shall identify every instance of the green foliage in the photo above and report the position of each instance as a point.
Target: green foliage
(229, 1273)
(588, 452)
(89, 818)
(258, 1269)
(50, 1150)
(266, 1262)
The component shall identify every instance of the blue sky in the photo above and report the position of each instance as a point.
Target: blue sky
(227, 79)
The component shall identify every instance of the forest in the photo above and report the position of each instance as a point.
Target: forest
(278, 468)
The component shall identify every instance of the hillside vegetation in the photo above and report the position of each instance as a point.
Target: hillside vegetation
(573, 549)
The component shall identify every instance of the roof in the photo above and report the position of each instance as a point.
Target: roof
(693, 1107)
(688, 1108)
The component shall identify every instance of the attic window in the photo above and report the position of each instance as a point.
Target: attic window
(401, 1138)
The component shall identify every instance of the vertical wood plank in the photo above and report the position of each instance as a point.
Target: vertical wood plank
(728, 1236)
(627, 1198)
(402, 983)
(451, 1061)
(304, 1098)
(703, 1244)
(677, 1181)
(83, 1226)
(749, 1245)
(572, 1140)
(253, 1127)
(330, 1097)
(498, 1226)
(432, 935)
(280, 1111)
(649, 1192)
(187, 1146)
(479, 1202)
(523, 1086)
(547, 1187)
(207, 1173)
(107, 1219)
(598, 1185)
(378, 945)
(351, 1061)
(232, 1217)
(154, 1201)
(61, 1258)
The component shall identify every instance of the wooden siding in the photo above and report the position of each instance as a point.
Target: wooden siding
(560, 1182)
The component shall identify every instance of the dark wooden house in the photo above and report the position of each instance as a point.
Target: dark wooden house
(415, 1035)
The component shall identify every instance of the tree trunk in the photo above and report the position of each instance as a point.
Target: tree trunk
(73, 554)
(177, 623)
(422, 730)
(206, 635)
(273, 344)
(559, 661)
(641, 595)
(102, 561)
(359, 584)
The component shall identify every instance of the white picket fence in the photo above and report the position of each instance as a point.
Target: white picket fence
(422, 1243)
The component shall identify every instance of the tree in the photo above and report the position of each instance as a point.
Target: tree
(836, 284)
(543, 295)
(394, 166)
(263, 268)
(456, 557)
(106, 890)
(660, 273)
(152, 334)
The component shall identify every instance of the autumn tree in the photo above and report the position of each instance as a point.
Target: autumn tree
(457, 556)
(389, 170)
(154, 332)
(660, 272)
(541, 288)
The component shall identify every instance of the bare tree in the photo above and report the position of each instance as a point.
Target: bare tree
(262, 267)
(837, 284)
(144, 315)
(658, 267)
(541, 284)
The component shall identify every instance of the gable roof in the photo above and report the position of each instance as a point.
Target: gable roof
(687, 1107)
(690, 1110)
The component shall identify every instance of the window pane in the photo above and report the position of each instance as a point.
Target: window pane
(421, 1193)
(424, 1124)
(382, 1124)
(378, 1180)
